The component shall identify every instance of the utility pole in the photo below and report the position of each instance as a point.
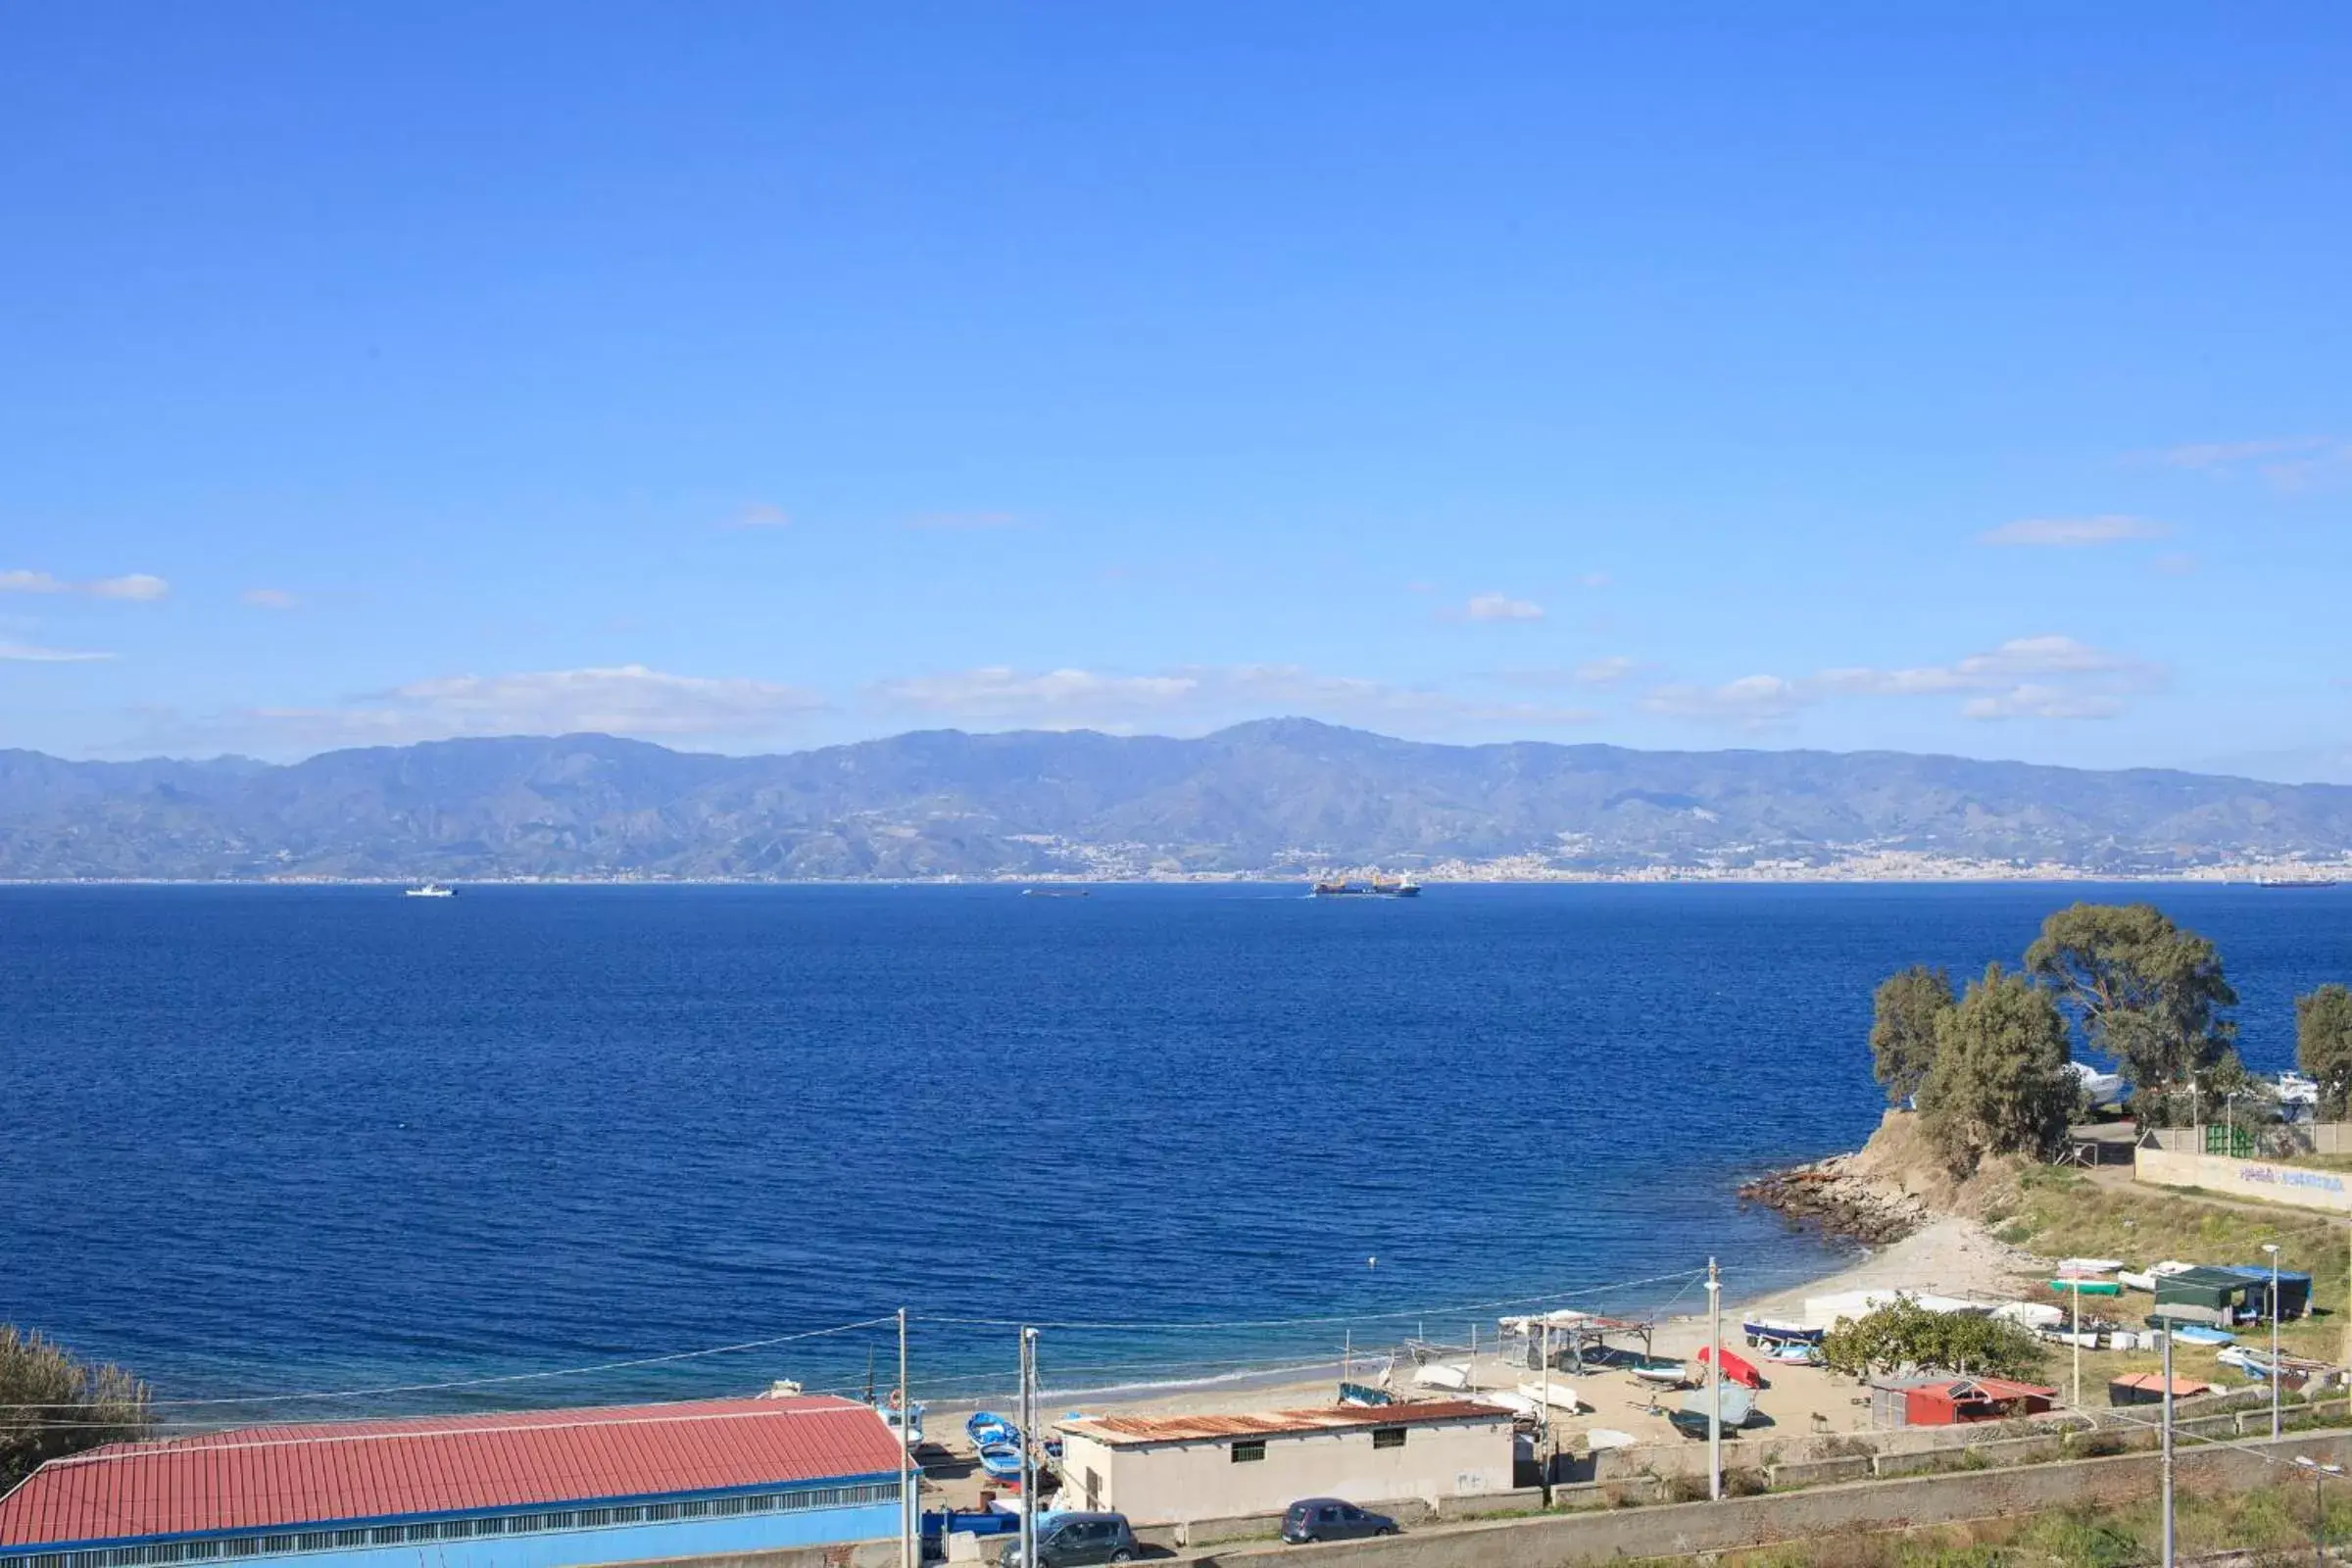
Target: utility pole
(2272, 1248)
(1714, 1383)
(1551, 1446)
(2168, 1443)
(1027, 1407)
(908, 1518)
(2074, 1288)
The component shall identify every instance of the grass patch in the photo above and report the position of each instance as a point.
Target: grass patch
(2061, 1213)
(2272, 1521)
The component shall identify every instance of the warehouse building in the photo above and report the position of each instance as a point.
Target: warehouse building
(543, 1489)
(1172, 1469)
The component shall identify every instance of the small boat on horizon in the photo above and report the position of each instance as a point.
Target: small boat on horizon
(432, 890)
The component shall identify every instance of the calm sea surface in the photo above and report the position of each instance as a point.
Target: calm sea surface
(255, 1141)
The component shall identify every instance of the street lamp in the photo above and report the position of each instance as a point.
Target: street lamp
(2272, 1248)
(2319, 1506)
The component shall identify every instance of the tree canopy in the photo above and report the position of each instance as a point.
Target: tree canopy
(1906, 1011)
(1905, 1334)
(53, 1404)
(2000, 1082)
(2144, 992)
(2323, 1046)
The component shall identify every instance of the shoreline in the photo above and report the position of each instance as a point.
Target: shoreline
(2229, 876)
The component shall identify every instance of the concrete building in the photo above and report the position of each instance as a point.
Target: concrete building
(1172, 1469)
(543, 1489)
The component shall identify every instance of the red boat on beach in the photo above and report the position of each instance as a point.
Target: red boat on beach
(1735, 1367)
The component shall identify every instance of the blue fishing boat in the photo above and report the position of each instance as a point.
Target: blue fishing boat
(986, 1427)
(1780, 1331)
(2192, 1333)
(1001, 1461)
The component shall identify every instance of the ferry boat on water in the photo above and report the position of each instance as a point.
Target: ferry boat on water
(1379, 886)
(432, 890)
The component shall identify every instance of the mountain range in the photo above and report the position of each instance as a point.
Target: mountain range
(1278, 796)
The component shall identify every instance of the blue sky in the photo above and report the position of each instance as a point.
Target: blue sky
(750, 376)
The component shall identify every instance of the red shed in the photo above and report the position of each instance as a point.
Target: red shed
(1965, 1400)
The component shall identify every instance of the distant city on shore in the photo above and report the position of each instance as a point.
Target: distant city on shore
(1277, 799)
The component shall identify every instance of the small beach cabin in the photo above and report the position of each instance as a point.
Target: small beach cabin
(1961, 1401)
(1187, 1468)
(2294, 1290)
(2215, 1296)
(2147, 1388)
(542, 1488)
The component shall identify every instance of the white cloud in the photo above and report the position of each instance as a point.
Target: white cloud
(1502, 607)
(2030, 677)
(2284, 463)
(270, 599)
(138, 585)
(1752, 702)
(28, 653)
(962, 521)
(758, 514)
(621, 699)
(1191, 696)
(2106, 529)
(1603, 671)
(2036, 700)
(2042, 656)
(999, 692)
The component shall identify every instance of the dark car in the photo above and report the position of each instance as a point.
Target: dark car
(1073, 1539)
(1330, 1519)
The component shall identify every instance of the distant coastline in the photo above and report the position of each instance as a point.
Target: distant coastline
(1273, 799)
(1886, 871)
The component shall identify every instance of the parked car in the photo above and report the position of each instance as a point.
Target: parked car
(1330, 1519)
(1076, 1539)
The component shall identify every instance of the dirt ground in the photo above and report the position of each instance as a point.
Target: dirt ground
(1950, 1257)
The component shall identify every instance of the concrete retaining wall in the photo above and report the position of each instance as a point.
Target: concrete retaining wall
(1687, 1529)
(2263, 1179)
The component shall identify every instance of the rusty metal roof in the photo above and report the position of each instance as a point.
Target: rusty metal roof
(1954, 1389)
(345, 1472)
(1117, 1430)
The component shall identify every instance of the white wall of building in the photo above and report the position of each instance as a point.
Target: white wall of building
(1174, 1482)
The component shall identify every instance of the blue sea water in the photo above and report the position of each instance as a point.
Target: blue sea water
(262, 1140)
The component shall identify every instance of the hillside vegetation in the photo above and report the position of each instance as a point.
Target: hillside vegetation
(1277, 796)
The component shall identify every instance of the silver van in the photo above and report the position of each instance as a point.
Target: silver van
(1073, 1540)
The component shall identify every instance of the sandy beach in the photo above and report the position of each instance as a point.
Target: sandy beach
(1949, 1257)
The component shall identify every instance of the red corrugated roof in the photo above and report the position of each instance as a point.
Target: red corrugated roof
(1116, 1430)
(292, 1476)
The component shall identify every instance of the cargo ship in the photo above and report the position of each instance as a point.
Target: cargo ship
(1379, 886)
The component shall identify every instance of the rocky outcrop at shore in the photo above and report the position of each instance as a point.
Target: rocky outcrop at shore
(1835, 1196)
